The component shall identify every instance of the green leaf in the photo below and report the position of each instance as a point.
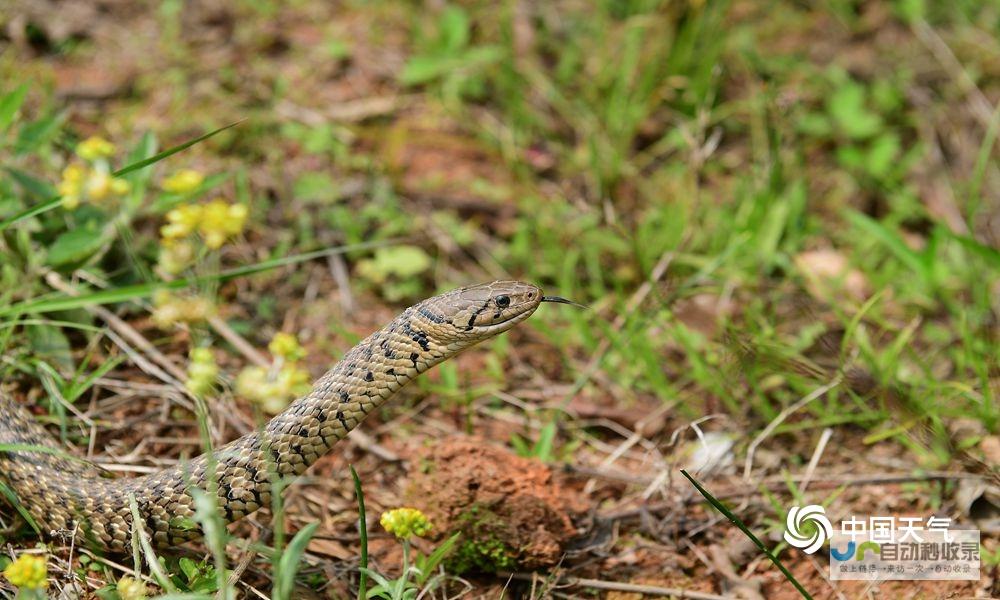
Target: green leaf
(546, 441)
(891, 240)
(421, 69)
(847, 107)
(34, 134)
(189, 567)
(290, 561)
(428, 564)
(10, 104)
(31, 184)
(50, 343)
(400, 261)
(315, 187)
(74, 247)
(454, 29)
(883, 154)
(425, 68)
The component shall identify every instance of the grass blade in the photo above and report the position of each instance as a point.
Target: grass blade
(13, 500)
(736, 521)
(30, 212)
(132, 292)
(10, 104)
(363, 533)
(171, 151)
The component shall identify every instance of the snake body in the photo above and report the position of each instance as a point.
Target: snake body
(67, 497)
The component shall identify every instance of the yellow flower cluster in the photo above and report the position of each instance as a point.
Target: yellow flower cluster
(91, 181)
(130, 588)
(274, 388)
(405, 522)
(176, 256)
(216, 222)
(287, 347)
(172, 309)
(184, 181)
(202, 372)
(28, 571)
(95, 148)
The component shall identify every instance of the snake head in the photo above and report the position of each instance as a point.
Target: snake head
(474, 313)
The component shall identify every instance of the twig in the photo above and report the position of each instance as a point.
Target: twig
(981, 106)
(248, 555)
(351, 111)
(824, 438)
(367, 443)
(772, 484)
(338, 269)
(125, 330)
(752, 448)
(239, 342)
(652, 590)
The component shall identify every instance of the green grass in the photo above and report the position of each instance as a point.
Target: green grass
(576, 146)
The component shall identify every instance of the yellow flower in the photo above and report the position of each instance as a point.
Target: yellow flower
(294, 381)
(171, 309)
(70, 202)
(71, 185)
(130, 588)
(405, 522)
(28, 571)
(119, 186)
(202, 372)
(98, 186)
(94, 148)
(272, 392)
(183, 221)
(184, 181)
(175, 256)
(286, 346)
(220, 220)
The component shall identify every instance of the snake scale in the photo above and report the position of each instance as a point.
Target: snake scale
(67, 497)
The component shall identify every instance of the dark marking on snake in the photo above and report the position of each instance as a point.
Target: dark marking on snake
(430, 316)
(343, 421)
(476, 313)
(420, 337)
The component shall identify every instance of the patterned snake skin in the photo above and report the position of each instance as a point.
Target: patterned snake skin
(69, 497)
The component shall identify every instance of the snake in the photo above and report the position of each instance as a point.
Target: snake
(69, 498)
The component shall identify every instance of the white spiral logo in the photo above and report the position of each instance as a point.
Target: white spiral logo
(821, 527)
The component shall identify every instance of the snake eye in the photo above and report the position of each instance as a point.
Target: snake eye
(503, 301)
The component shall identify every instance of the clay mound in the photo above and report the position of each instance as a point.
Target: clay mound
(509, 510)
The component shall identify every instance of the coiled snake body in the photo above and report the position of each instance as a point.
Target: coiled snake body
(66, 496)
